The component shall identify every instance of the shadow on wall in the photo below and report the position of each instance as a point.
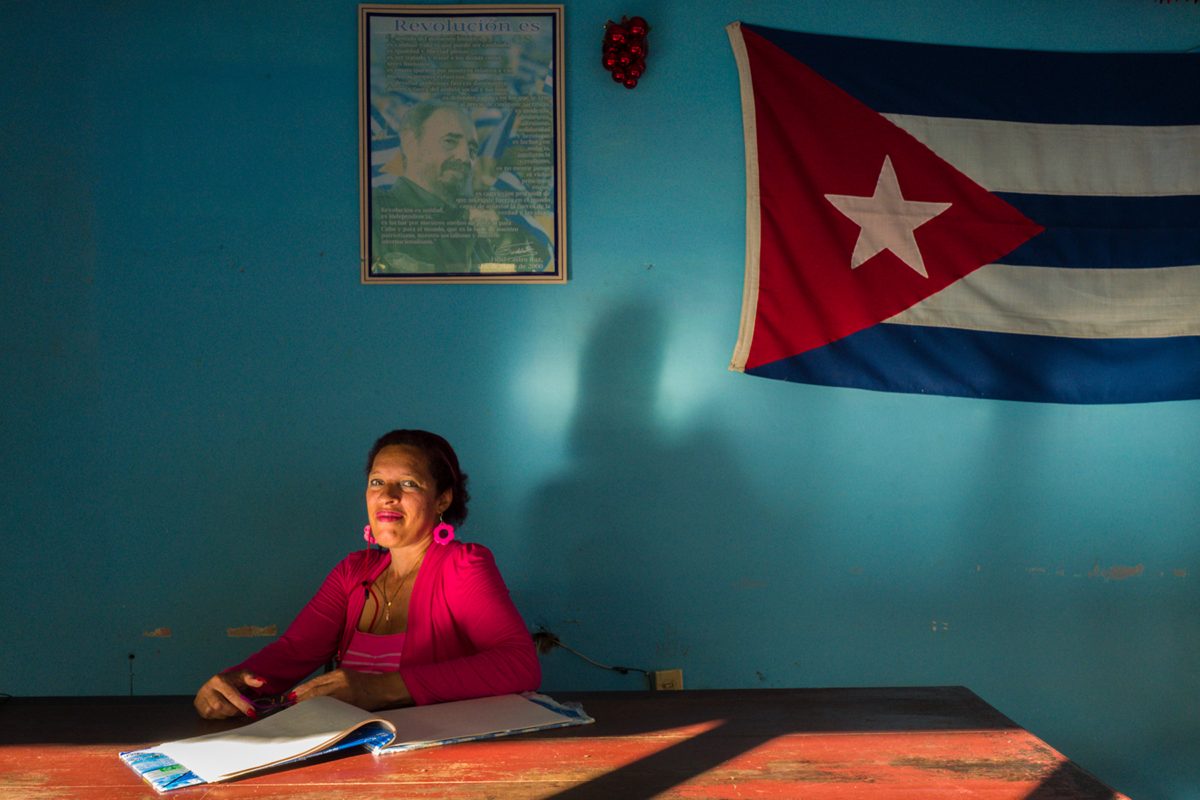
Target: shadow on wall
(642, 539)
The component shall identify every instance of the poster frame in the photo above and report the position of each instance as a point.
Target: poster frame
(396, 219)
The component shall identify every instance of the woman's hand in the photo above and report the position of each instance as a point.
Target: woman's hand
(221, 696)
(363, 689)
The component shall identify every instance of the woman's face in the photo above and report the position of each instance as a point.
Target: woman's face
(402, 499)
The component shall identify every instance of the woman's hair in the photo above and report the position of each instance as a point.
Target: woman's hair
(443, 464)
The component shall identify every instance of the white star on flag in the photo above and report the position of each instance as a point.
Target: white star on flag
(887, 220)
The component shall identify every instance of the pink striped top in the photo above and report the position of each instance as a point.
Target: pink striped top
(373, 652)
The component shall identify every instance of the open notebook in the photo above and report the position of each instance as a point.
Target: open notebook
(324, 725)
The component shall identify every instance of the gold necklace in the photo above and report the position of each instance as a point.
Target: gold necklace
(387, 608)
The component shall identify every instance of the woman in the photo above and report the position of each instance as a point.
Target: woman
(424, 619)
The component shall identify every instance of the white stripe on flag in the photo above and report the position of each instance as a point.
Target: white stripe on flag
(1034, 158)
(1076, 303)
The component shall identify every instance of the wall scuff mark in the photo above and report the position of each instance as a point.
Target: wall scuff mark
(1119, 572)
(247, 631)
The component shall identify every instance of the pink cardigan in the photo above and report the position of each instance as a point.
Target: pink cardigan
(465, 638)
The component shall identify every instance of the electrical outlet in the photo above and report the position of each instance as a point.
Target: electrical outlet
(666, 679)
(544, 641)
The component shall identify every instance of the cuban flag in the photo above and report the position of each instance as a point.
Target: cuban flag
(975, 222)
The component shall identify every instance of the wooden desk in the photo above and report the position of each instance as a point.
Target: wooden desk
(918, 743)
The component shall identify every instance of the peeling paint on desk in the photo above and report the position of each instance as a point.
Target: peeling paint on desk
(23, 794)
(797, 771)
(158, 633)
(247, 631)
(1004, 770)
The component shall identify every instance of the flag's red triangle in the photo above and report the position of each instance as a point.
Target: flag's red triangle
(814, 139)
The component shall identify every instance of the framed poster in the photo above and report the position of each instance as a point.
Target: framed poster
(461, 168)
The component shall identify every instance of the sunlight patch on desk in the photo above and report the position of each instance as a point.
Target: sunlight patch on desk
(620, 752)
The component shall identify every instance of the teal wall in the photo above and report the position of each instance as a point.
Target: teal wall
(192, 374)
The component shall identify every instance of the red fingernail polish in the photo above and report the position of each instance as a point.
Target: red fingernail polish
(291, 697)
(252, 714)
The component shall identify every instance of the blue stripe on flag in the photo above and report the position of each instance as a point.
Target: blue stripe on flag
(1016, 85)
(1001, 366)
(1102, 232)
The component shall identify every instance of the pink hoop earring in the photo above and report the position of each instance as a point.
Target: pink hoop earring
(443, 533)
(368, 536)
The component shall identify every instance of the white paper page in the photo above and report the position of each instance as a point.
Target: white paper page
(304, 727)
(463, 718)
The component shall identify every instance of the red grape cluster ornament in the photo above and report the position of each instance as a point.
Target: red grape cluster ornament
(625, 50)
